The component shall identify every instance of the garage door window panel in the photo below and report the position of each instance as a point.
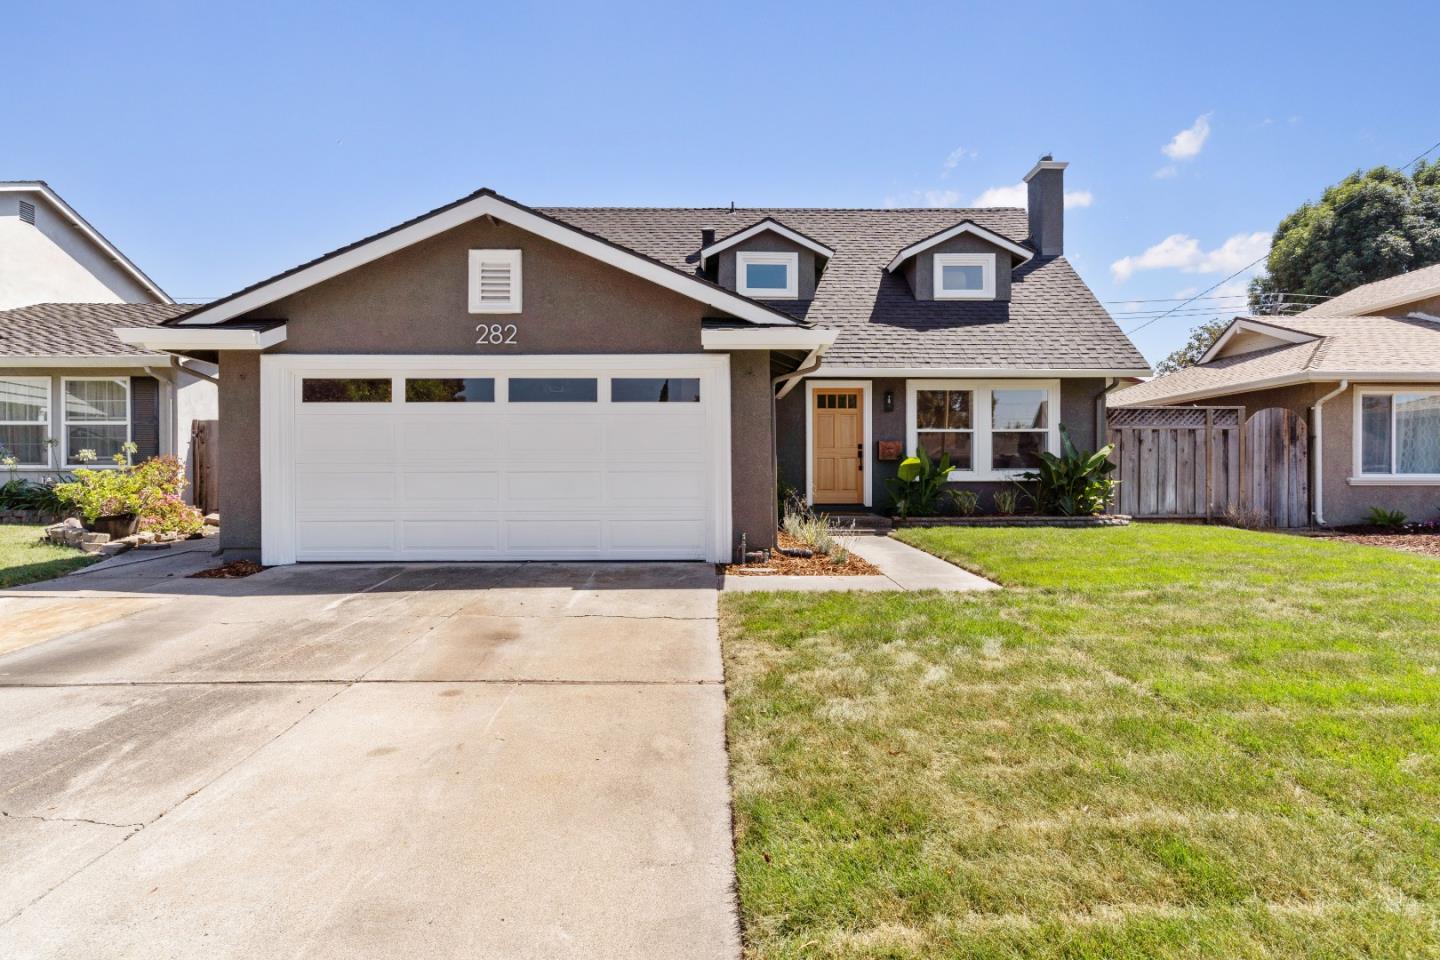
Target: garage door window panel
(655, 390)
(97, 419)
(450, 390)
(346, 390)
(553, 390)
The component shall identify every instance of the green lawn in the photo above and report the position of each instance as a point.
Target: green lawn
(24, 559)
(1163, 741)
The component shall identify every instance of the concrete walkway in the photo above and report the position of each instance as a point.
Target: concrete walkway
(356, 761)
(902, 567)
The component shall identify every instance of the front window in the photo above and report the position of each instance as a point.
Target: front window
(1019, 424)
(964, 276)
(767, 275)
(97, 419)
(1400, 434)
(944, 424)
(24, 416)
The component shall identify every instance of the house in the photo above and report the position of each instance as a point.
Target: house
(1362, 370)
(68, 386)
(492, 380)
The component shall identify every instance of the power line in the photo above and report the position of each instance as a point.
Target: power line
(1339, 209)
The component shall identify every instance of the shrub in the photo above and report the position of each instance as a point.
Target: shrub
(966, 501)
(1386, 519)
(36, 495)
(916, 491)
(1006, 501)
(809, 529)
(152, 491)
(101, 493)
(1077, 483)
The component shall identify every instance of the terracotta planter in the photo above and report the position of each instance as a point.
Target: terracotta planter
(119, 526)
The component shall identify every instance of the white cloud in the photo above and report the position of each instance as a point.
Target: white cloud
(1183, 253)
(956, 155)
(1166, 172)
(1016, 195)
(1187, 144)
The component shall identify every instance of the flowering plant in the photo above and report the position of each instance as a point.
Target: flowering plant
(151, 491)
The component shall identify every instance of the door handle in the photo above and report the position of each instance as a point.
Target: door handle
(860, 456)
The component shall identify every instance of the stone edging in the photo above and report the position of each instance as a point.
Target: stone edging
(1104, 520)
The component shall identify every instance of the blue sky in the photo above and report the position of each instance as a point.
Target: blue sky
(218, 144)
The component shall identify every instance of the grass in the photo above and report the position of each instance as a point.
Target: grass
(1162, 742)
(25, 559)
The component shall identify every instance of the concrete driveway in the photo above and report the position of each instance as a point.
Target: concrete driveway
(498, 760)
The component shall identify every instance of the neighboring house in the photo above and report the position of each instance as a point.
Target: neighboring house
(1363, 369)
(67, 383)
(492, 380)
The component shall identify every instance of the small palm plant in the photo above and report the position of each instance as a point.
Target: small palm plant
(1077, 483)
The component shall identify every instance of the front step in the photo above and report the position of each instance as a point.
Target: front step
(861, 523)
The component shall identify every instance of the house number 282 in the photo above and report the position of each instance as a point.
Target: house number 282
(494, 333)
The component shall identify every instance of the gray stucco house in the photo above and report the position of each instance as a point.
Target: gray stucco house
(492, 380)
(67, 383)
(1361, 370)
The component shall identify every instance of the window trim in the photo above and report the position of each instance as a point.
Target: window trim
(1358, 476)
(986, 263)
(102, 463)
(44, 422)
(791, 262)
(512, 259)
(982, 422)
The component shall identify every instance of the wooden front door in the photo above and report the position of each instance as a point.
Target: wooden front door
(838, 437)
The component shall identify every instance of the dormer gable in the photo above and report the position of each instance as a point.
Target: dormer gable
(767, 261)
(1249, 335)
(963, 262)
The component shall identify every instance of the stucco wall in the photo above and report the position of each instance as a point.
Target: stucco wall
(1077, 414)
(416, 301)
(53, 262)
(771, 243)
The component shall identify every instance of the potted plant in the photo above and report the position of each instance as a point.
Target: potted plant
(109, 501)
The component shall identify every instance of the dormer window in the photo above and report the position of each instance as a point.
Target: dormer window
(964, 276)
(767, 276)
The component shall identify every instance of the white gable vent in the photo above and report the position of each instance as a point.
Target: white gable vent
(27, 212)
(494, 281)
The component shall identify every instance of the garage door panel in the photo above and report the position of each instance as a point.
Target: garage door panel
(554, 535)
(674, 437)
(462, 489)
(571, 438)
(457, 438)
(669, 486)
(340, 538)
(330, 491)
(681, 536)
(579, 488)
(450, 537)
(355, 438)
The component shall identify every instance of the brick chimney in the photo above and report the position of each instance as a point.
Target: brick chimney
(1046, 199)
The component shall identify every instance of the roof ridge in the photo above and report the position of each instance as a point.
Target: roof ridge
(728, 210)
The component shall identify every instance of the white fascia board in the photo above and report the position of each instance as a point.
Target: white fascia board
(1255, 326)
(462, 213)
(88, 360)
(967, 227)
(189, 338)
(797, 338)
(1356, 378)
(969, 373)
(764, 226)
(93, 235)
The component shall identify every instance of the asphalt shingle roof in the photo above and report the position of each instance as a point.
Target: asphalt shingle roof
(1373, 297)
(78, 329)
(1343, 347)
(1052, 321)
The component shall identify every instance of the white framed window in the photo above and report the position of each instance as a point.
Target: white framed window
(495, 281)
(96, 413)
(768, 276)
(25, 420)
(992, 429)
(1397, 435)
(964, 276)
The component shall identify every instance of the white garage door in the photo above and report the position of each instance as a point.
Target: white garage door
(517, 458)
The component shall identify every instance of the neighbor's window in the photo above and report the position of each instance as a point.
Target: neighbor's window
(964, 276)
(1400, 434)
(24, 414)
(1020, 427)
(767, 275)
(450, 390)
(655, 390)
(97, 417)
(944, 423)
(348, 390)
(553, 390)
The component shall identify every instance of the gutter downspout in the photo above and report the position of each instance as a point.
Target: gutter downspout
(1102, 404)
(1317, 462)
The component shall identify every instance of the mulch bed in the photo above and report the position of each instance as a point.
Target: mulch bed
(229, 571)
(817, 566)
(1426, 544)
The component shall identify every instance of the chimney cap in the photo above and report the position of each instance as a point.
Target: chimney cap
(1047, 162)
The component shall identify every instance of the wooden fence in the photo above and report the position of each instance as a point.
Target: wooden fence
(1277, 478)
(1181, 463)
(205, 464)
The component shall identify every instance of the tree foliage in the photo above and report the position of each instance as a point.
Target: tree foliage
(1201, 338)
(1372, 225)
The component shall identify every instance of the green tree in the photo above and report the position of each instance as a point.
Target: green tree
(1372, 225)
(1200, 340)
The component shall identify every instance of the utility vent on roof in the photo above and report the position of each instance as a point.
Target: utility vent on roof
(494, 281)
(27, 212)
